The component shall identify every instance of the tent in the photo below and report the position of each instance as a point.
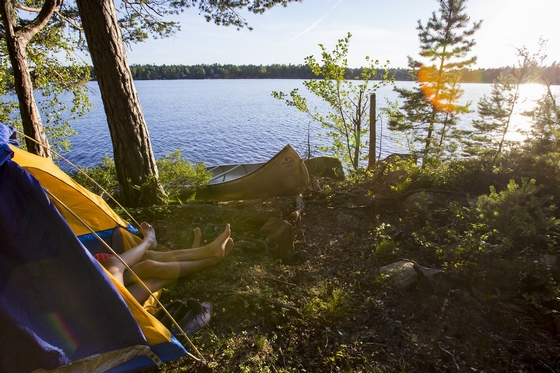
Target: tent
(59, 309)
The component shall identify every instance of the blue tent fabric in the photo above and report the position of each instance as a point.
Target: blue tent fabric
(7, 136)
(56, 303)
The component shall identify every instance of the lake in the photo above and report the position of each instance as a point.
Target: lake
(231, 121)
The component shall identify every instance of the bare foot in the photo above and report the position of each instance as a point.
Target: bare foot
(149, 234)
(197, 237)
(229, 247)
(220, 244)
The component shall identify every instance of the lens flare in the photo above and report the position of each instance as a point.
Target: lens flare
(429, 86)
(63, 334)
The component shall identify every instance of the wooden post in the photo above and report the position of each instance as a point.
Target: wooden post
(372, 131)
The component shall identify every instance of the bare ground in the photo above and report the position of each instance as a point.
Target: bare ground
(328, 309)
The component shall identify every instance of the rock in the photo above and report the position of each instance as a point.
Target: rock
(280, 236)
(325, 167)
(434, 280)
(418, 203)
(379, 201)
(394, 158)
(464, 297)
(395, 177)
(361, 200)
(552, 262)
(399, 274)
(347, 221)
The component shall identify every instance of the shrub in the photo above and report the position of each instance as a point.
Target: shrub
(177, 176)
(498, 239)
(180, 177)
(103, 175)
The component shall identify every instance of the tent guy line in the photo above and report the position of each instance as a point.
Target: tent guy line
(175, 323)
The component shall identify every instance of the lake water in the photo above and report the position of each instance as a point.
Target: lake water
(229, 121)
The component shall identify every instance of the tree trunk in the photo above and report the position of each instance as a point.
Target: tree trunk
(134, 159)
(372, 158)
(17, 39)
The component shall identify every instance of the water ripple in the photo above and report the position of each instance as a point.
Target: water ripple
(220, 121)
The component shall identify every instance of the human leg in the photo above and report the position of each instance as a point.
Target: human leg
(174, 269)
(117, 268)
(213, 249)
(141, 294)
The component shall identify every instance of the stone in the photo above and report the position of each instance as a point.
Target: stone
(464, 297)
(418, 203)
(434, 280)
(361, 200)
(395, 177)
(325, 167)
(552, 262)
(400, 274)
(280, 238)
(347, 222)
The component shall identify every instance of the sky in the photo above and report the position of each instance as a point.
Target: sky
(381, 29)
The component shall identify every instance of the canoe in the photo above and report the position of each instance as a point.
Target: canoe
(285, 174)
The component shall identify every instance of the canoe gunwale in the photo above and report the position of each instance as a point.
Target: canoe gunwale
(285, 169)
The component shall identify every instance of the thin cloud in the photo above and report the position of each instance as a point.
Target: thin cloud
(335, 5)
(315, 24)
(308, 29)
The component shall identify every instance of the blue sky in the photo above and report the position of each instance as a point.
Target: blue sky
(381, 29)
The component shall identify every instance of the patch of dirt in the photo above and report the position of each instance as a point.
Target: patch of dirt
(328, 309)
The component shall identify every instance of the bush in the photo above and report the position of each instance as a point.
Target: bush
(498, 239)
(470, 175)
(176, 175)
(99, 179)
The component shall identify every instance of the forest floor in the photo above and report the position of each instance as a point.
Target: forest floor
(329, 309)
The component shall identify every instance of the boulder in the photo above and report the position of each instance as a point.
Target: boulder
(361, 200)
(434, 281)
(400, 275)
(325, 167)
(395, 177)
(347, 222)
(280, 238)
(465, 298)
(418, 203)
(552, 262)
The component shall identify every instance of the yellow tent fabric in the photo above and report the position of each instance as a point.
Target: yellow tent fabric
(98, 215)
(153, 330)
(88, 206)
(129, 241)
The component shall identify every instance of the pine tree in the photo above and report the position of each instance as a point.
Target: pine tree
(496, 111)
(544, 137)
(429, 113)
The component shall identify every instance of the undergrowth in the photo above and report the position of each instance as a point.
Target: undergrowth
(179, 178)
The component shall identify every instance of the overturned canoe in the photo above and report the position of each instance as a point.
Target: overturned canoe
(285, 174)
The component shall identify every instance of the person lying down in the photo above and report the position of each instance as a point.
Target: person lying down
(158, 269)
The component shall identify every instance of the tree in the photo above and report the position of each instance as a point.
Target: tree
(347, 122)
(35, 48)
(429, 112)
(134, 160)
(132, 150)
(495, 112)
(544, 137)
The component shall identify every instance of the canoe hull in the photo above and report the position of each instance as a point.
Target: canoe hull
(285, 174)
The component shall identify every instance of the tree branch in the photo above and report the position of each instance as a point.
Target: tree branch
(41, 20)
(27, 8)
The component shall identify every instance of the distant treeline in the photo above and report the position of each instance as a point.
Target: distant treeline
(277, 71)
